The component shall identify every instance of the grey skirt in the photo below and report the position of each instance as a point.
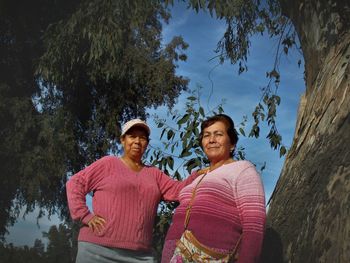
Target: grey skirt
(93, 253)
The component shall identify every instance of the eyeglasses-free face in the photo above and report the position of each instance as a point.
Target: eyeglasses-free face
(135, 142)
(216, 142)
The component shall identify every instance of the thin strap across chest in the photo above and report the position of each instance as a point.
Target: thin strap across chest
(188, 213)
(189, 207)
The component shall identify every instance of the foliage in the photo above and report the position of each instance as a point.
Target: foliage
(70, 73)
(243, 20)
(21, 150)
(99, 60)
(10, 253)
(61, 247)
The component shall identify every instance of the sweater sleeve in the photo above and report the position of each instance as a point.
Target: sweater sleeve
(251, 206)
(80, 184)
(171, 188)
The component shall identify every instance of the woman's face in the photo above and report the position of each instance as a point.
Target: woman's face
(216, 142)
(135, 143)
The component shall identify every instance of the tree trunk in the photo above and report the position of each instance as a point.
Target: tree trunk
(309, 215)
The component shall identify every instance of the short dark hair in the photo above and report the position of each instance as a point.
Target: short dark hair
(231, 131)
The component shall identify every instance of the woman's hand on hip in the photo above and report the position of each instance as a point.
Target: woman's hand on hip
(97, 223)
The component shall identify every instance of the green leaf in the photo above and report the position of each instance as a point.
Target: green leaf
(198, 151)
(255, 131)
(170, 134)
(170, 162)
(186, 136)
(283, 151)
(183, 119)
(196, 132)
(185, 153)
(242, 131)
(161, 135)
(278, 99)
(192, 163)
(201, 111)
(177, 175)
(299, 63)
(274, 74)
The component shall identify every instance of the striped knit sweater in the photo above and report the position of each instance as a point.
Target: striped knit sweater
(127, 200)
(229, 201)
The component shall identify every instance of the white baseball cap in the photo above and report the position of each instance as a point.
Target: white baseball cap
(135, 122)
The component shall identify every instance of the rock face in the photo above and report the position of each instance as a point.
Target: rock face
(309, 216)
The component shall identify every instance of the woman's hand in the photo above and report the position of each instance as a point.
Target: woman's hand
(97, 223)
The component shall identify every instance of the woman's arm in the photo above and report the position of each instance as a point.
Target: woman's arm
(171, 188)
(80, 184)
(251, 206)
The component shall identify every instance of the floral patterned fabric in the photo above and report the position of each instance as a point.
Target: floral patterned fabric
(188, 249)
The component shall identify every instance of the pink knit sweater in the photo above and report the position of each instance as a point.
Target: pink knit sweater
(127, 200)
(229, 200)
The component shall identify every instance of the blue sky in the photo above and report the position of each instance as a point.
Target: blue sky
(241, 92)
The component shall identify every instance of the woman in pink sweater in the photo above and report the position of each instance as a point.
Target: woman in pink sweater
(228, 208)
(126, 194)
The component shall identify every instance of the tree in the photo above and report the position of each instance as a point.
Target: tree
(21, 151)
(99, 60)
(39, 247)
(59, 248)
(309, 210)
(69, 75)
(12, 254)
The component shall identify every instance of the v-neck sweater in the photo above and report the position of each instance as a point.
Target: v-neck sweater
(126, 199)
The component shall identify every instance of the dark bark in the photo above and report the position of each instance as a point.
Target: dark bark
(309, 216)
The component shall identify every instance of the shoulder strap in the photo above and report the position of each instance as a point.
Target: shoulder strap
(234, 251)
(188, 212)
(189, 207)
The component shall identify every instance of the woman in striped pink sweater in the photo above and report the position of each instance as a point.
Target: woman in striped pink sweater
(229, 204)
